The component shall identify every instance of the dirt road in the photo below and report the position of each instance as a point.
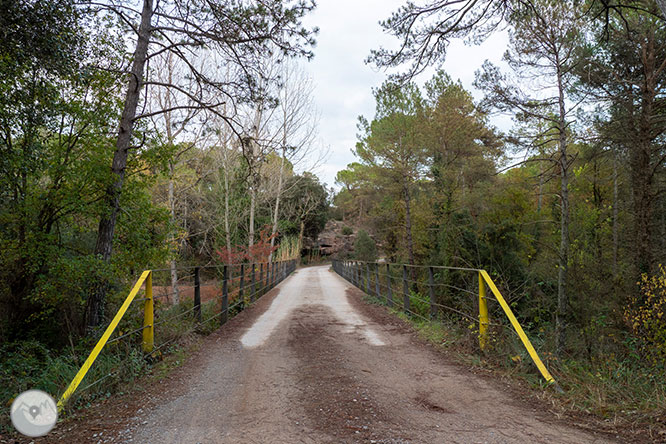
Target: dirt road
(312, 365)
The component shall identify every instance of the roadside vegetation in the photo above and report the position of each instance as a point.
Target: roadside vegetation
(566, 210)
(122, 152)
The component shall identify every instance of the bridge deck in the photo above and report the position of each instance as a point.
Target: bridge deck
(311, 363)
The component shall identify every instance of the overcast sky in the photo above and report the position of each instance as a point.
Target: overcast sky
(343, 82)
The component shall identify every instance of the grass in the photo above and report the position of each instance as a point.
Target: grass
(624, 395)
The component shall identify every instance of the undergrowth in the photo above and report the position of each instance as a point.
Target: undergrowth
(32, 365)
(622, 393)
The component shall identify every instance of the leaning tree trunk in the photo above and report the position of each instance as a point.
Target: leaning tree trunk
(107, 223)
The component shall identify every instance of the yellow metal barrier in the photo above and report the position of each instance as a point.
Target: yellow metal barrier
(483, 315)
(148, 337)
(484, 279)
(148, 328)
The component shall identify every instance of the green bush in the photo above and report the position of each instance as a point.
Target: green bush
(365, 248)
(347, 231)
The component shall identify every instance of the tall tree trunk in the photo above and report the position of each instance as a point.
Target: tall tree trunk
(250, 235)
(227, 234)
(172, 210)
(408, 223)
(276, 212)
(301, 232)
(254, 174)
(107, 223)
(562, 296)
(642, 199)
(616, 232)
(360, 211)
(172, 199)
(640, 161)
(537, 225)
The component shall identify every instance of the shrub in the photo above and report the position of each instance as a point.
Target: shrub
(365, 248)
(646, 315)
(347, 231)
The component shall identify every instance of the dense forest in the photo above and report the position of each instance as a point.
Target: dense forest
(145, 138)
(567, 209)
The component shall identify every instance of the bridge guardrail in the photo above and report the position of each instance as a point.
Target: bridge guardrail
(363, 274)
(252, 281)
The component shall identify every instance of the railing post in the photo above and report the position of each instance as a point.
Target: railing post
(389, 298)
(268, 276)
(148, 324)
(197, 295)
(377, 291)
(483, 314)
(405, 290)
(367, 279)
(431, 284)
(261, 278)
(225, 295)
(254, 283)
(241, 286)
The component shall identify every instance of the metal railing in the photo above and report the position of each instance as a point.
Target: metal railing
(410, 281)
(241, 284)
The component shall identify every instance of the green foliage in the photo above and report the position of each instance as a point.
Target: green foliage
(646, 316)
(55, 115)
(364, 247)
(467, 212)
(419, 304)
(305, 203)
(346, 231)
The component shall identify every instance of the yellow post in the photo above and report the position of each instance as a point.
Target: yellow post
(105, 337)
(149, 330)
(483, 314)
(516, 326)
